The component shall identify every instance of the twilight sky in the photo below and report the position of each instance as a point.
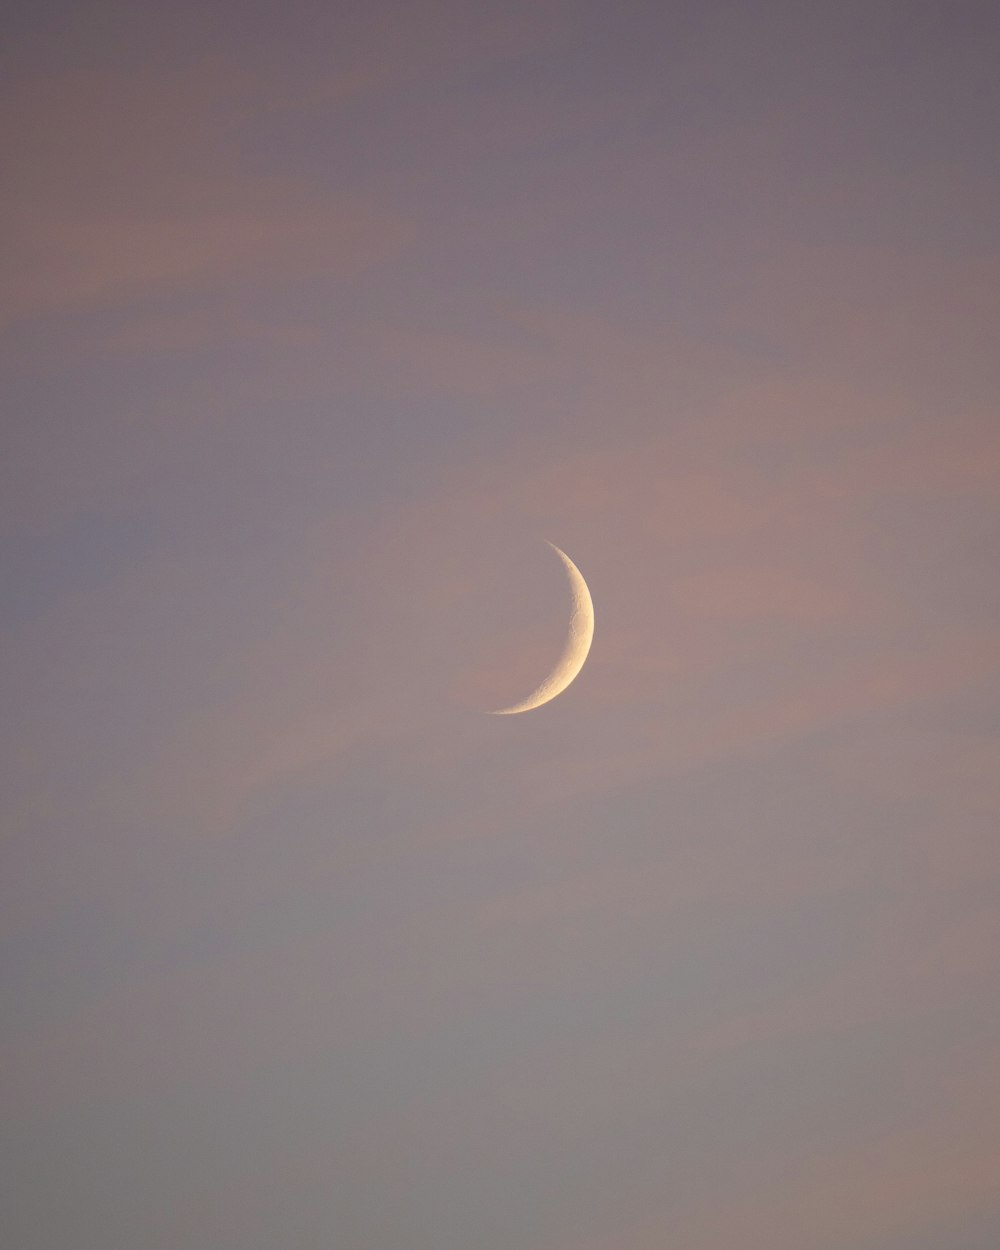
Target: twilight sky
(315, 321)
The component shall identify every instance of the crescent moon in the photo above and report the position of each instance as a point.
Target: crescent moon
(574, 656)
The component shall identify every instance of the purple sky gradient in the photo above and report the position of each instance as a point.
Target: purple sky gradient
(315, 321)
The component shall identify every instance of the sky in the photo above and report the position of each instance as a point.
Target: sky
(315, 322)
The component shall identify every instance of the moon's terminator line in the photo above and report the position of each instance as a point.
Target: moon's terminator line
(573, 658)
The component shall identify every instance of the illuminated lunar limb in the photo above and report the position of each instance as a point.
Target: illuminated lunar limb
(574, 656)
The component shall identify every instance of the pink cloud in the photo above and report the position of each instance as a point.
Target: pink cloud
(759, 592)
(125, 184)
(905, 1184)
(69, 263)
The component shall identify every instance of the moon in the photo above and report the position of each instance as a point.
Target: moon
(574, 656)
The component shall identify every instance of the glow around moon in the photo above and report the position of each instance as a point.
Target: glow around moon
(574, 656)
